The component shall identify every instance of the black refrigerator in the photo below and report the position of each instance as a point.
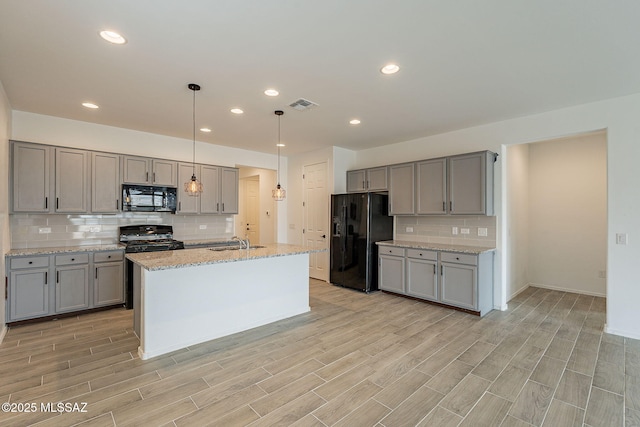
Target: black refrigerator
(358, 221)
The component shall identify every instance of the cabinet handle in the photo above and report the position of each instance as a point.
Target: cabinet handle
(57, 203)
(46, 277)
(363, 185)
(30, 262)
(73, 259)
(117, 204)
(458, 258)
(434, 269)
(217, 207)
(97, 271)
(179, 206)
(109, 256)
(441, 272)
(367, 185)
(444, 206)
(154, 177)
(147, 177)
(222, 206)
(46, 203)
(57, 277)
(450, 206)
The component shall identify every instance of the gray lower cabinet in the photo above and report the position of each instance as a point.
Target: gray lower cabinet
(391, 267)
(108, 279)
(422, 274)
(46, 285)
(452, 278)
(28, 287)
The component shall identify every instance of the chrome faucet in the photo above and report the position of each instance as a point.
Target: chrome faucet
(244, 244)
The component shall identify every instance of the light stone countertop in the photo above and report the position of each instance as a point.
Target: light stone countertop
(193, 257)
(64, 249)
(436, 246)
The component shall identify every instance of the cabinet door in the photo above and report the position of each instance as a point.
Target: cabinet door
(391, 273)
(31, 177)
(108, 284)
(431, 187)
(459, 285)
(401, 189)
(165, 173)
(135, 170)
(356, 181)
(72, 288)
(72, 180)
(105, 183)
(229, 191)
(422, 279)
(467, 184)
(187, 204)
(377, 179)
(210, 197)
(29, 294)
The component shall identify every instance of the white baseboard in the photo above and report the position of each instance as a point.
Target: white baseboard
(519, 291)
(3, 332)
(573, 291)
(621, 333)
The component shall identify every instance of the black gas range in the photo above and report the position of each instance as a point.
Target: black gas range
(148, 238)
(144, 238)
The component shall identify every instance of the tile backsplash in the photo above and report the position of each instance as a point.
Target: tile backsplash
(439, 229)
(43, 231)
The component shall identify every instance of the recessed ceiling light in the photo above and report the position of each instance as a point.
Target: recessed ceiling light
(280, 145)
(90, 105)
(237, 111)
(112, 37)
(271, 92)
(390, 69)
(354, 122)
(205, 130)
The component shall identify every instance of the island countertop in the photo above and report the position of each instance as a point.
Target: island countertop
(165, 260)
(436, 246)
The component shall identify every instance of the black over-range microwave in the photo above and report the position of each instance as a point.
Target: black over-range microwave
(145, 198)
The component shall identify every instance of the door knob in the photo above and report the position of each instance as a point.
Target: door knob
(324, 236)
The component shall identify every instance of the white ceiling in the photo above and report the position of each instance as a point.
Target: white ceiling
(463, 63)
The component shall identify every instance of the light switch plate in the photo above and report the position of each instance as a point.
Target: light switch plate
(203, 226)
(464, 231)
(409, 229)
(622, 238)
(454, 230)
(482, 231)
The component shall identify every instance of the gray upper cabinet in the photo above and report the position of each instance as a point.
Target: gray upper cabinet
(31, 177)
(105, 182)
(165, 173)
(373, 179)
(401, 189)
(210, 197)
(431, 187)
(143, 170)
(471, 184)
(72, 181)
(229, 178)
(187, 204)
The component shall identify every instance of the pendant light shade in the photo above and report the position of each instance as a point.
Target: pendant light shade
(193, 187)
(279, 193)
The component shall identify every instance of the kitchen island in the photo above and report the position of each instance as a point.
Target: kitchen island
(189, 296)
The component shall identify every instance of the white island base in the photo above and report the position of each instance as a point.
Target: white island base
(179, 307)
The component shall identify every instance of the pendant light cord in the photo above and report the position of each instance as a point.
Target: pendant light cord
(279, 148)
(194, 132)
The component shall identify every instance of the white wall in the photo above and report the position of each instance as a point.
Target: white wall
(5, 235)
(619, 116)
(517, 236)
(567, 214)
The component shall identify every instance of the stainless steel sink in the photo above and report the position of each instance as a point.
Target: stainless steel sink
(234, 248)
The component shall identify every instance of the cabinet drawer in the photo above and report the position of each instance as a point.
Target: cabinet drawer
(108, 256)
(29, 262)
(72, 259)
(390, 250)
(422, 254)
(459, 258)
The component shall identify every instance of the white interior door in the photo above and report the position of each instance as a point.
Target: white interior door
(316, 218)
(252, 210)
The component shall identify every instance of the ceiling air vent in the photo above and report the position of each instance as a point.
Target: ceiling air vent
(302, 104)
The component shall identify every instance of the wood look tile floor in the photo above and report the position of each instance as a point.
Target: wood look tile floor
(354, 360)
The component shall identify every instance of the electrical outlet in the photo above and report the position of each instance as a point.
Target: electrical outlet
(464, 231)
(482, 232)
(203, 226)
(602, 274)
(94, 229)
(44, 230)
(454, 230)
(409, 229)
(622, 238)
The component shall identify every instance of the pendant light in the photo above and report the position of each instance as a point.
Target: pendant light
(193, 187)
(279, 193)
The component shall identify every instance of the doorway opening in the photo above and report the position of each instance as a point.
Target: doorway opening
(557, 215)
(257, 212)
